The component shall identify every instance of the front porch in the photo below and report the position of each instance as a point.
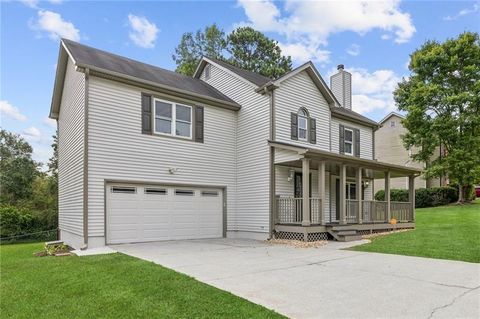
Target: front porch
(320, 195)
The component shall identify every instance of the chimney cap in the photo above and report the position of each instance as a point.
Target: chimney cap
(340, 67)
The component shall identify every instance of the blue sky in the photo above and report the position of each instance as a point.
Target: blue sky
(372, 39)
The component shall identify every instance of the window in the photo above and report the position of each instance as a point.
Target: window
(173, 119)
(122, 189)
(302, 124)
(184, 192)
(155, 191)
(210, 193)
(207, 72)
(392, 123)
(348, 141)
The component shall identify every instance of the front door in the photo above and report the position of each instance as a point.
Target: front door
(298, 193)
(350, 193)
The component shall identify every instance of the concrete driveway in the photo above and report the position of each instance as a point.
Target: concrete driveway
(324, 282)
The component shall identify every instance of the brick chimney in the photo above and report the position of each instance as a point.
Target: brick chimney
(341, 86)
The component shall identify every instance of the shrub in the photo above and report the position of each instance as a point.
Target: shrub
(424, 197)
(14, 222)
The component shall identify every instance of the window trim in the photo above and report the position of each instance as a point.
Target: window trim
(302, 113)
(173, 119)
(348, 142)
(208, 72)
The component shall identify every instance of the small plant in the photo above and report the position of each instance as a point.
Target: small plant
(53, 249)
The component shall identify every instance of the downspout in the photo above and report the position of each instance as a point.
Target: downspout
(85, 162)
(272, 136)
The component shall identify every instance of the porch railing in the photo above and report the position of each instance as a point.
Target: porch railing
(289, 210)
(374, 211)
(401, 211)
(352, 211)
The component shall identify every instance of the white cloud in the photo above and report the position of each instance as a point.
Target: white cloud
(474, 9)
(143, 33)
(56, 26)
(372, 90)
(50, 122)
(32, 132)
(30, 3)
(311, 22)
(354, 50)
(11, 111)
(303, 52)
(55, 1)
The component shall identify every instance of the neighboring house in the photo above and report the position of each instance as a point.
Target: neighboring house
(389, 148)
(146, 154)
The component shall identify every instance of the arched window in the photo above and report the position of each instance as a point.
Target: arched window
(303, 124)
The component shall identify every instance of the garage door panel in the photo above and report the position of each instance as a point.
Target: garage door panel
(147, 213)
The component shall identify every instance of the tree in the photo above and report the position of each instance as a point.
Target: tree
(442, 101)
(17, 168)
(244, 47)
(210, 42)
(252, 50)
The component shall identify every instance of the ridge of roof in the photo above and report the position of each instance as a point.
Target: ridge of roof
(86, 56)
(390, 115)
(253, 77)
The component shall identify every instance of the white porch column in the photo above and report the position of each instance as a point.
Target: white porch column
(343, 199)
(411, 193)
(306, 192)
(321, 191)
(387, 195)
(359, 192)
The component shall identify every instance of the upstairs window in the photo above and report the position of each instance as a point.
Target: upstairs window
(302, 125)
(348, 141)
(173, 119)
(392, 124)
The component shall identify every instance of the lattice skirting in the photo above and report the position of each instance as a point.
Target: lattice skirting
(300, 236)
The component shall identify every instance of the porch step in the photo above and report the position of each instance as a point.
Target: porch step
(345, 235)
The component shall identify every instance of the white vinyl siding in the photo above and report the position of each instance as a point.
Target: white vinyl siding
(71, 127)
(282, 155)
(118, 150)
(252, 151)
(300, 91)
(366, 134)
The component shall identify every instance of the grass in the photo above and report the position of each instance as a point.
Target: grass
(108, 286)
(447, 232)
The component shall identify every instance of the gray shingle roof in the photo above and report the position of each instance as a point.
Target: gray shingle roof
(352, 115)
(88, 56)
(253, 77)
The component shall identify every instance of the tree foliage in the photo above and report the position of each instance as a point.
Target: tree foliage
(208, 42)
(17, 168)
(243, 47)
(442, 101)
(252, 50)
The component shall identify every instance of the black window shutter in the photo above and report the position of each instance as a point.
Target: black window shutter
(341, 141)
(146, 113)
(199, 124)
(313, 131)
(294, 126)
(357, 142)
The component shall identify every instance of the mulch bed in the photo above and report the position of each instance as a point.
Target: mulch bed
(297, 243)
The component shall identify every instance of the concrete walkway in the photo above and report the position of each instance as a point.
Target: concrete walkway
(324, 282)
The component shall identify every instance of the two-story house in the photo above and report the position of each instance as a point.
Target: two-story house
(389, 148)
(146, 154)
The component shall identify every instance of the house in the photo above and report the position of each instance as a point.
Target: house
(146, 154)
(389, 148)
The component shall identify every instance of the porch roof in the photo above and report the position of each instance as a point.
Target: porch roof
(346, 159)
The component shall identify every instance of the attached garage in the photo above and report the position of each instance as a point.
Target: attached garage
(142, 213)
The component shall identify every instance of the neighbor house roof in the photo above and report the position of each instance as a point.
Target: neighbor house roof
(389, 115)
(120, 67)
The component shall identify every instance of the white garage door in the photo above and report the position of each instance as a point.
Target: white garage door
(151, 213)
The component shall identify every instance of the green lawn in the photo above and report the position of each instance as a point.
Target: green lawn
(108, 286)
(447, 232)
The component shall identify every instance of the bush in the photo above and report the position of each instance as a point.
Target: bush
(424, 197)
(14, 222)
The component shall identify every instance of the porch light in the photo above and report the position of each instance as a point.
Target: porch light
(291, 175)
